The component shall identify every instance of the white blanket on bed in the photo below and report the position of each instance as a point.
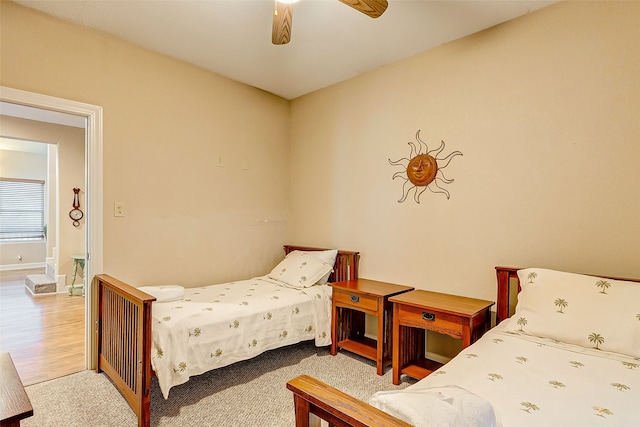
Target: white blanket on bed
(448, 406)
(215, 326)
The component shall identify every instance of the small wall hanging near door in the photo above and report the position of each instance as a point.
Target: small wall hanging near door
(423, 169)
(76, 214)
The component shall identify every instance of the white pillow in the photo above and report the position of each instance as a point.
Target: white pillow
(589, 311)
(166, 293)
(300, 270)
(328, 256)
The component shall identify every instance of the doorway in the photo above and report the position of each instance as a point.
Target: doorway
(93, 184)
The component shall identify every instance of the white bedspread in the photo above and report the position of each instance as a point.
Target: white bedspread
(538, 382)
(218, 325)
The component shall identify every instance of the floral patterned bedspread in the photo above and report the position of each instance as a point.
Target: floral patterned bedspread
(217, 325)
(534, 381)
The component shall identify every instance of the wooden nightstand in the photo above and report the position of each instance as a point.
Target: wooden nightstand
(351, 300)
(417, 311)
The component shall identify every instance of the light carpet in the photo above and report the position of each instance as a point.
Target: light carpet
(249, 393)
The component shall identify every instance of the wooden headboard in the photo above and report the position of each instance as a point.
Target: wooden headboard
(509, 287)
(507, 292)
(345, 268)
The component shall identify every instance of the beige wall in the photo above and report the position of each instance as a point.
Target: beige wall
(186, 221)
(70, 143)
(545, 109)
(22, 164)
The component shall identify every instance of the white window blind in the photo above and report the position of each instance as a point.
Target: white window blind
(21, 210)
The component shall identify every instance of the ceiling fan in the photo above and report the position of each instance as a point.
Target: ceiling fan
(283, 12)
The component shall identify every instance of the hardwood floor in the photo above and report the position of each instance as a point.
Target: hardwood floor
(44, 334)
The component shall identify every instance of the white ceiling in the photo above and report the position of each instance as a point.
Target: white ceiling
(31, 113)
(331, 42)
(39, 114)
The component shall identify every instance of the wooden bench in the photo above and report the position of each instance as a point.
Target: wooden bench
(14, 402)
(315, 400)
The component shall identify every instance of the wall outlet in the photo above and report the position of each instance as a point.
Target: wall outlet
(219, 161)
(118, 209)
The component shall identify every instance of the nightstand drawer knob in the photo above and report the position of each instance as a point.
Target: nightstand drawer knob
(355, 298)
(428, 316)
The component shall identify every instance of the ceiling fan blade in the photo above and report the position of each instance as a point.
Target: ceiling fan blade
(372, 8)
(282, 17)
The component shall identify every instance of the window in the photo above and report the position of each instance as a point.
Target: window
(21, 209)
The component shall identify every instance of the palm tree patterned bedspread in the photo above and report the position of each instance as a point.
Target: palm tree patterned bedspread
(532, 381)
(217, 325)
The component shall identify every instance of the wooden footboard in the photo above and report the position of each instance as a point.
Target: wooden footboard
(124, 341)
(315, 400)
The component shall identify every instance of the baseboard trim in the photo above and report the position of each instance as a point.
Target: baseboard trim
(61, 281)
(23, 266)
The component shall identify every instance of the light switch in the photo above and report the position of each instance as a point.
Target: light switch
(118, 209)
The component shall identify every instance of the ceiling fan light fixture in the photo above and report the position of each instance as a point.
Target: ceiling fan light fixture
(371, 8)
(282, 19)
(283, 13)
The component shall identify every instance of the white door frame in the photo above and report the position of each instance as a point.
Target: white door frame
(93, 184)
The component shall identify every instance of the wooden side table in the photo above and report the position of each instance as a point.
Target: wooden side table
(351, 300)
(78, 260)
(14, 402)
(417, 311)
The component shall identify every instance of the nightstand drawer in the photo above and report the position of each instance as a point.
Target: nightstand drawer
(355, 300)
(430, 319)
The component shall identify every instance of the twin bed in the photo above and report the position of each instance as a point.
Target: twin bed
(569, 355)
(187, 332)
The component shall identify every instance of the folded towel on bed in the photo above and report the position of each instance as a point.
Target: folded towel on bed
(449, 406)
(164, 293)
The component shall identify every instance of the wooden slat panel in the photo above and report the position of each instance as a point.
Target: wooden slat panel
(124, 341)
(504, 276)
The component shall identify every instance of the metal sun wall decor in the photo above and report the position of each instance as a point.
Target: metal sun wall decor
(423, 168)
